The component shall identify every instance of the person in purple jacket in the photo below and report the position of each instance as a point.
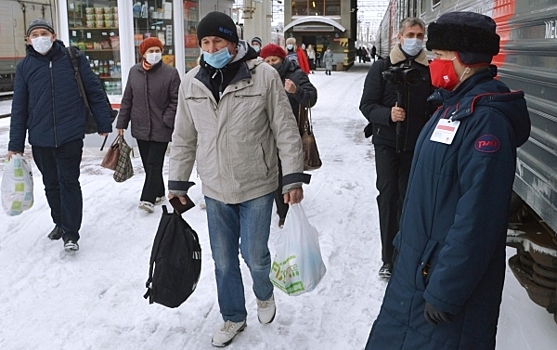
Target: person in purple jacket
(447, 281)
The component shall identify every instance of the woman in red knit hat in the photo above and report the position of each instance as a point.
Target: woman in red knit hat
(300, 91)
(149, 103)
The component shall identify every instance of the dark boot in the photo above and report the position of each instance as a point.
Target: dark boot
(56, 233)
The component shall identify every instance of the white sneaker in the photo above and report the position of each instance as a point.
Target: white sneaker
(266, 310)
(148, 207)
(159, 200)
(226, 334)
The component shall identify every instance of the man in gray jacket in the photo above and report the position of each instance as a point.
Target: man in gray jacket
(233, 114)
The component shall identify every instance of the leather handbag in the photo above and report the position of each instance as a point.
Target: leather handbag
(312, 161)
(110, 160)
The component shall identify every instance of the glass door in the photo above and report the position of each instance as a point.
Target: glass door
(93, 26)
(153, 18)
(191, 18)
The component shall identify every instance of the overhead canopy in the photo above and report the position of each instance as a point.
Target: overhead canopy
(319, 19)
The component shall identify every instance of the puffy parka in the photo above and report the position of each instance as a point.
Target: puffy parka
(451, 242)
(150, 101)
(47, 101)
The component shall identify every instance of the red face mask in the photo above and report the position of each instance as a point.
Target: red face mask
(443, 74)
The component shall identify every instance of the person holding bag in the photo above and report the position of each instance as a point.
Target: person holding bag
(301, 94)
(149, 103)
(48, 107)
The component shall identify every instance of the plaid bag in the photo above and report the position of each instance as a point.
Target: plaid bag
(124, 168)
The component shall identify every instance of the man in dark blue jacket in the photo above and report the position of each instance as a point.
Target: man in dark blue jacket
(447, 281)
(48, 105)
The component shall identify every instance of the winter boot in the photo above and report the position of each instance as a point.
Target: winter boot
(147, 206)
(56, 233)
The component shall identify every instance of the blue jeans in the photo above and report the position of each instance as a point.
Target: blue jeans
(60, 167)
(240, 227)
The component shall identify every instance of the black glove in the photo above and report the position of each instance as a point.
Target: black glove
(435, 316)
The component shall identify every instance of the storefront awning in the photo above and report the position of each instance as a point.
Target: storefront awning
(319, 19)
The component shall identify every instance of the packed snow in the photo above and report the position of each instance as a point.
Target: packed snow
(93, 299)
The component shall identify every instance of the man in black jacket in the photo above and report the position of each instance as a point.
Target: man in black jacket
(397, 111)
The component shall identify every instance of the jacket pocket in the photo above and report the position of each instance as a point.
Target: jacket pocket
(426, 265)
(262, 160)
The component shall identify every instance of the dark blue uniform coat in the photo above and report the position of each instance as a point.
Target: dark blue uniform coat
(452, 235)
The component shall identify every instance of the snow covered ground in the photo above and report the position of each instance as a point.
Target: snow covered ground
(93, 299)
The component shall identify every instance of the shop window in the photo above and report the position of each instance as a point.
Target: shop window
(300, 8)
(332, 7)
(153, 18)
(93, 29)
(316, 7)
(191, 19)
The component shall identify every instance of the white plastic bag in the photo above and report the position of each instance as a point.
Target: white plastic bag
(297, 267)
(17, 186)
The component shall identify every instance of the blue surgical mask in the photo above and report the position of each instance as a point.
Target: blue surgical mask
(412, 46)
(218, 59)
(256, 48)
(42, 44)
(290, 47)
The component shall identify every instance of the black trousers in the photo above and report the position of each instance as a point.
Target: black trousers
(282, 208)
(152, 156)
(60, 167)
(393, 170)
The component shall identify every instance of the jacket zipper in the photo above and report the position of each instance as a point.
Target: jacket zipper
(53, 106)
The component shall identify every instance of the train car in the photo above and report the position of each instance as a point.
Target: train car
(527, 61)
(14, 17)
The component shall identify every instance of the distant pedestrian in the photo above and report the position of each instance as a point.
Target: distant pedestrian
(149, 104)
(297, 55)
(256, 43)
(328, 59)
(311, 57)
(47, 105)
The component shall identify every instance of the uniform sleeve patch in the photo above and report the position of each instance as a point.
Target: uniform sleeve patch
(487, 143)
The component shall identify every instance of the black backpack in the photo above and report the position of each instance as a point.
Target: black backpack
(90, 122)
(175, 264)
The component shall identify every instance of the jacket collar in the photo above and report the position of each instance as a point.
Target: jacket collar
(397, 56)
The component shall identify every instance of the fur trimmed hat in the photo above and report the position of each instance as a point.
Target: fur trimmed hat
(217, 24)
(272, 50)
(471, 34)
(148, 43)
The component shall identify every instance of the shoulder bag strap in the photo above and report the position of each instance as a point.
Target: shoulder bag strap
(74, 58)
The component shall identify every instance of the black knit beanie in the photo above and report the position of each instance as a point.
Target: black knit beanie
(217, 24)
(471, 34)
(39, 23)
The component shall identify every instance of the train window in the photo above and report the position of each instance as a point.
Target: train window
(435, 3)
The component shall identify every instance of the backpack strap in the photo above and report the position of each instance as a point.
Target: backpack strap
(386, 66)
(73, 54)
(154, 252)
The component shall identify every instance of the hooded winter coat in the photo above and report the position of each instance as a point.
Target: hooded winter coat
(47, 101)
(451, 242)
(231, 121)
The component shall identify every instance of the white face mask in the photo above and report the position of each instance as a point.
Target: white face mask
(153, 57)
(412, 46)
(42, 44)
(290, 46)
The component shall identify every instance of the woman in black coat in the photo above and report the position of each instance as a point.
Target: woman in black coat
(149, 103)
(300, 92)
